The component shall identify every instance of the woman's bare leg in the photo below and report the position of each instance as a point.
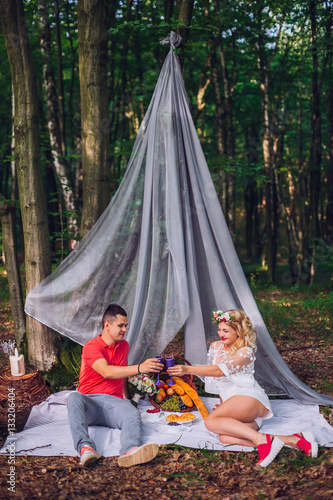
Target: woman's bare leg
(290, 440)
(232, 417)
(241, 442)
(233, 420)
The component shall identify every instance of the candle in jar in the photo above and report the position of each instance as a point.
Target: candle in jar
(17, 367)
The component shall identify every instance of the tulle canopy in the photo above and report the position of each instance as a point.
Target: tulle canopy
(161, 250)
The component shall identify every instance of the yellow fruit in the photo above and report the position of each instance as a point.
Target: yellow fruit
(162, 392)
(159, 398)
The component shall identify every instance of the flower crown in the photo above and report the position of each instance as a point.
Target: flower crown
(218, 316)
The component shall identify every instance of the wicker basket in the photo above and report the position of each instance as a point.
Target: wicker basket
(187, 378)
(29, 390)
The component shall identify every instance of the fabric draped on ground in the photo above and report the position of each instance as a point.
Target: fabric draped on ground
(47, 432)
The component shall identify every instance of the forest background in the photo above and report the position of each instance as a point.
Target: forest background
(77, 78)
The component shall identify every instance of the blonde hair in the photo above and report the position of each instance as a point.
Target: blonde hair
(242, 324)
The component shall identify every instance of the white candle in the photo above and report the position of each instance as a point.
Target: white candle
(17, 367)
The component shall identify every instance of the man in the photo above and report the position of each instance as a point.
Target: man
(102, 395)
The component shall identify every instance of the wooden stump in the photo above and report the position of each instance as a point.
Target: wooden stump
(25, 392)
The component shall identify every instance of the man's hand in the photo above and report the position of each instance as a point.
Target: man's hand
(114, 372)
(151, 365)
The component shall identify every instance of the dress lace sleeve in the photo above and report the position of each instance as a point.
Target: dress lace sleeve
(210, 355)
(239, 363)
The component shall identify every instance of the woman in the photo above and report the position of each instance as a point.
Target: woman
(244, 404)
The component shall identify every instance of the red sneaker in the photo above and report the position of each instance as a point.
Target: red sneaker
(268, 451)
(88, 456)
(307, 443)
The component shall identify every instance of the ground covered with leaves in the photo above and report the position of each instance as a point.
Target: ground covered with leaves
(300, 323)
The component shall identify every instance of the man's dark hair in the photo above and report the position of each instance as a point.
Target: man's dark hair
(111, 312)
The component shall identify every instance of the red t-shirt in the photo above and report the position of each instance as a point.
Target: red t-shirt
(91, 382)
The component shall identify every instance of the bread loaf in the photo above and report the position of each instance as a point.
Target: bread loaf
(193, 395)
(172, 418)
(179, 390)
(185, 417)
(187, 400)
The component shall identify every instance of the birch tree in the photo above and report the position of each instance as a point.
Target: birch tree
(61, 169)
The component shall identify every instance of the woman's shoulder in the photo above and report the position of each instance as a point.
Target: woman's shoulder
(215, 345)
(245, 351)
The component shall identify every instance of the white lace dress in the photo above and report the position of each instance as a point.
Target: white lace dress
(238, 376)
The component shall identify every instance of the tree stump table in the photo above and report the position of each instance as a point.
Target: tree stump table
(18, 395)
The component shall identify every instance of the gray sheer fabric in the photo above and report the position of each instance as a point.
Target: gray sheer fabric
(162, 250)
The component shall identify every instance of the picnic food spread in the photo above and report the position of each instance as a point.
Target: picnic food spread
(179, 396)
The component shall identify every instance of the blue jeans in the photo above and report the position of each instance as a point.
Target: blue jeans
(106, 410)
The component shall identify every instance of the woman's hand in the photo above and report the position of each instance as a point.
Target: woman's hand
(177, 370)
(200, 370)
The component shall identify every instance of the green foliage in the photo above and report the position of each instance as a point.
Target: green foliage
(4, 291)
(240, 167)
(326, 387)
(285, 310)
(65, 373)
(135, 57)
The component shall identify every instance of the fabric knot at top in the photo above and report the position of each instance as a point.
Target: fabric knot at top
(174, 40)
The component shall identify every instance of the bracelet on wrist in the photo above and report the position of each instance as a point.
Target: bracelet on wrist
(139, 369)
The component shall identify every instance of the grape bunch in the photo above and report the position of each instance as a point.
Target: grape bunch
(182, 405)
(171, 403)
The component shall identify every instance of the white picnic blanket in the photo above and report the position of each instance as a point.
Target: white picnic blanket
(47, 432)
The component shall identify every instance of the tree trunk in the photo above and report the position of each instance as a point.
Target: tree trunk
(123, 106)
(315, 152)
(140, 66)
(7, 215)
(301, 195)
(292, 240)
(250, 194)
(203, 85)
(71, 86)
(92, 46)
(61, 95)
(62, 172)
(41, 349)
(222, 194)
(10, 248)
(168, 10)
(185, 15)
(265, 60)
(270, 193)
(230, 149)
(329, 207)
